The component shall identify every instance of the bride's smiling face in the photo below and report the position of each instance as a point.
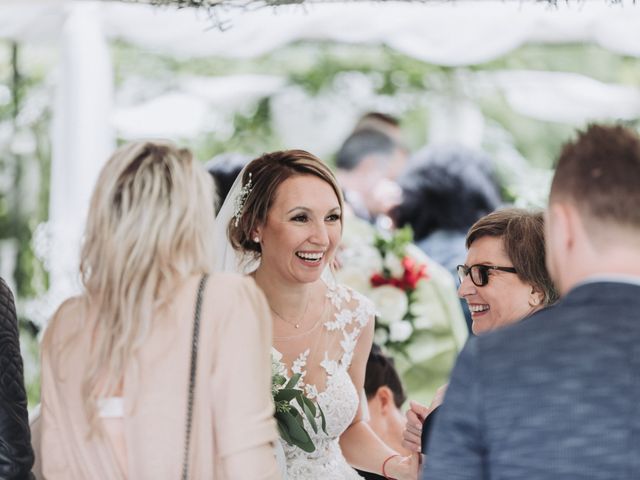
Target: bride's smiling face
(302, 230)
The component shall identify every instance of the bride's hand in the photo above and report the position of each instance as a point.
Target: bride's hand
(403, 468)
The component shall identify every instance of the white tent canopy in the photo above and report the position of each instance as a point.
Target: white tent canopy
(456, 33)
(452, 33)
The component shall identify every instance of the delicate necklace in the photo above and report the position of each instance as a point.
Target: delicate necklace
(296, 323)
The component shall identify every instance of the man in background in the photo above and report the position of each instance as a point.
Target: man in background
(367, 166)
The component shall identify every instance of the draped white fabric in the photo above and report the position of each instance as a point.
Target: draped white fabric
(445, 33)
(82, 140)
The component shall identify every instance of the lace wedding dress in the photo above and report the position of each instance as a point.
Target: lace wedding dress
(321, 353)
(322, 356)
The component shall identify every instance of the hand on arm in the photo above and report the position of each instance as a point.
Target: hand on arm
(416, 415)
(412, 434)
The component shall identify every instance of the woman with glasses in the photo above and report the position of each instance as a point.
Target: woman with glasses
(504, 279)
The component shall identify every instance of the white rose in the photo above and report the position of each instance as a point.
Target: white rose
(391, 303)
(400, 331)
(394, 264)
(380, 337)
(365, 257)
(357, 232)
(355, 278)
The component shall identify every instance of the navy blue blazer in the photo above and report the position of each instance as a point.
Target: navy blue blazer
(553, 397)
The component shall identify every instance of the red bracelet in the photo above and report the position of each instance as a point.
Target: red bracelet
(384, 464)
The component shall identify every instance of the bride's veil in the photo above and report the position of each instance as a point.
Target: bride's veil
(228, 259)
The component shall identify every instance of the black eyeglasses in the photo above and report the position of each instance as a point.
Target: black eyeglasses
(480, 273)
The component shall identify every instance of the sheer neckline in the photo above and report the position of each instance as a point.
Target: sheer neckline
(319, 321)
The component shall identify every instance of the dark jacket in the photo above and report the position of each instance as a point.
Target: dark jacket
(16, 455)
(555, 396)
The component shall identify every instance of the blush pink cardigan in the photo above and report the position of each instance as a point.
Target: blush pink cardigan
(233, 427)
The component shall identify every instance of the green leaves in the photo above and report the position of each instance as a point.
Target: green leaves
(291, 428)
(290, 419)
(396, 243)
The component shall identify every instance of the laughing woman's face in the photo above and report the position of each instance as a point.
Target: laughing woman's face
(303, 229)
(505, 299)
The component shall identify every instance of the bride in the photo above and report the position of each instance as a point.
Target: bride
(284, 224)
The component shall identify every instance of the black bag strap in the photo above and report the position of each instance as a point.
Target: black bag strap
(192, 375)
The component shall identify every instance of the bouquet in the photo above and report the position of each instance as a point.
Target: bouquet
(383, 269)
(394, 289)
(288, 416)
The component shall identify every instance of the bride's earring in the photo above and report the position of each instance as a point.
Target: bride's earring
(256, 239)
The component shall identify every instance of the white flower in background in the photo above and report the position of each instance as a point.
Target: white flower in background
(355, 277)
(365, 257)
(391, 303)
(394, 264)
(400, 331)
(357, 233)
(380, 336)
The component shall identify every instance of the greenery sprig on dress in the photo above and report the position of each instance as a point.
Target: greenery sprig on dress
(290, 421)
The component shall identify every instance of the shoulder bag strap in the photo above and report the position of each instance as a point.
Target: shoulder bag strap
(192, 375)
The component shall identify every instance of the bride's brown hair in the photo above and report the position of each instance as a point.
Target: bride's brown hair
(266, 174)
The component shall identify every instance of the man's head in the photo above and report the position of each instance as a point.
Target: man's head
(382, 122)
(368, 164)
(594, 207)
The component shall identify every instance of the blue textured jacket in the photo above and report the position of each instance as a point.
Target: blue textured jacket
(556, 396)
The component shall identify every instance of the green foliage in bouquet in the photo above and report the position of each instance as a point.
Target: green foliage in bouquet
(395, 243)
(290, 421)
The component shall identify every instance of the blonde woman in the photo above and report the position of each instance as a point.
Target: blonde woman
(118, 362)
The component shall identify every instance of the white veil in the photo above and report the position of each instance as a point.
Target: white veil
(228, 259)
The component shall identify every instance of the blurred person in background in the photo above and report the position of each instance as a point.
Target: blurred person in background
(16, 455)
(444, 191)
(435, 348)
(384, 123)
(224, 168)
(367, 166)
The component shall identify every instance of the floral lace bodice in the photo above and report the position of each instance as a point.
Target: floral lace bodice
(324, 369)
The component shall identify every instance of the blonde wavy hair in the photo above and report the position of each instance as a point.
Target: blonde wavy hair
(150, 226)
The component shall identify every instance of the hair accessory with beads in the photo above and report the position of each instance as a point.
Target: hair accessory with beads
(241, 199)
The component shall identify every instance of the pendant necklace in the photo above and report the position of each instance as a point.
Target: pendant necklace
(296, 323)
